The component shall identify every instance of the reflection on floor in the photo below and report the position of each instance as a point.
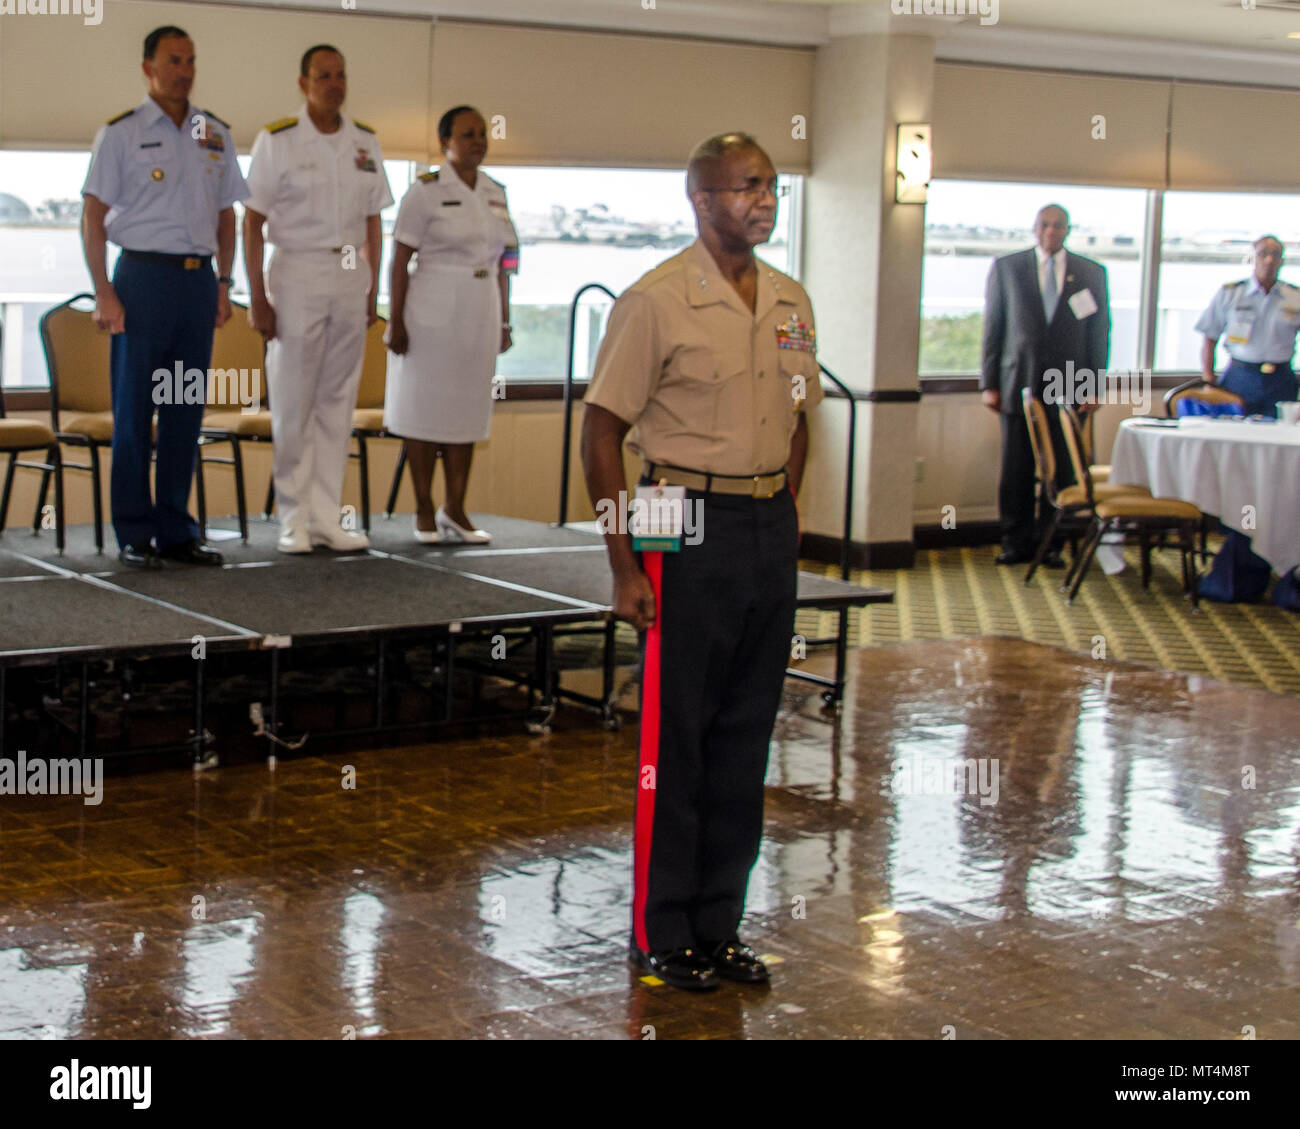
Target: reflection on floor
(1122, 864)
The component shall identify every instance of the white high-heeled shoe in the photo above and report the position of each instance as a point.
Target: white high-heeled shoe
(424, 536)
(450, 531)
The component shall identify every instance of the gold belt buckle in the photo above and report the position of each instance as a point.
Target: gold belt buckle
(480, 274)
(1268, 367)
(192, 262)
(765, 492)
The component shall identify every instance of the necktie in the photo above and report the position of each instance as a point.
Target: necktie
(1050, 294)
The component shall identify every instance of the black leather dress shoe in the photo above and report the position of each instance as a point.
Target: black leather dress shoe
(139, 556)
(1010, 557)
(682, 968)
(191, 552)
(735, 961)
(1053, 560)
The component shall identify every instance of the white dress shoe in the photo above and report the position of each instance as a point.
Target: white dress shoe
(339, 539)
(425, 536)
(452, 532)
(293, 539)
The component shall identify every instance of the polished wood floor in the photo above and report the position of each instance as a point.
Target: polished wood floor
(1132, 875)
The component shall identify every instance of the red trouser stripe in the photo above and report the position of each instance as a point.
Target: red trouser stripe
(645, 796)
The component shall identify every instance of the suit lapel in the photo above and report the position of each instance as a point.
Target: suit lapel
(1033, 293)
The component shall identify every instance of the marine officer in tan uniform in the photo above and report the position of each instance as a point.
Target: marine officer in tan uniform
(709, 362)
(318, 185)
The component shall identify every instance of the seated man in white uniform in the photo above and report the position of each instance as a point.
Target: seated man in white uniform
(318, 184)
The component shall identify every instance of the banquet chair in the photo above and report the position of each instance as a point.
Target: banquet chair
(81, 399)
(19, 437)
(1071, 505)
(1206, 393)
(1100, 471)
(1199, 389)
(1137, 514)
(236, 345)
(368, 417)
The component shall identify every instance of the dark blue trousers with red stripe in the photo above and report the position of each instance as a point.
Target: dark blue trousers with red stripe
(714, 663)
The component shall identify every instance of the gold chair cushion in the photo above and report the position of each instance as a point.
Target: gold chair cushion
(24, 435)
(1138, 507)
(254, 425)
(92, 425)
(1100, 473)
(1074, 496)
(368, 419)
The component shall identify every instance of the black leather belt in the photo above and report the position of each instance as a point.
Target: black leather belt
(183, 262)
(746, 485)
(1266, 367)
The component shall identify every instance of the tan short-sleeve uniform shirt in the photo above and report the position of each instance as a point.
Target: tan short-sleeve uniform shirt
(706, 384)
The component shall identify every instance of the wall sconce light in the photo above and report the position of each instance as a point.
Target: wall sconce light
(913, 163)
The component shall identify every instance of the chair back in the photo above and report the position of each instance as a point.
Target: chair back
(1199, 390)
(374, 367)
(1072, 428)
(1040, 439)
(77, 357)
(237, 345)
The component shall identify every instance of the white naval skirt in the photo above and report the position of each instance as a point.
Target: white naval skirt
(441, 389)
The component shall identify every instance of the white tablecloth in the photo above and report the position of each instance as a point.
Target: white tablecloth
(1246, 474)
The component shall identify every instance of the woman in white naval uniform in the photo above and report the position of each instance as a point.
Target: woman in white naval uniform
(449, 319)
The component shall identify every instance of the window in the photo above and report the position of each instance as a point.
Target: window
(596, 225)
(575, 226)
(40, 252)
(41, 261)
(970, 223)
(1206, 241)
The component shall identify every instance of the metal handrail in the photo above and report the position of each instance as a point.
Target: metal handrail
(845, 553)
(568, 395)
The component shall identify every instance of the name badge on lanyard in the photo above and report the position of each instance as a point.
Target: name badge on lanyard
(657, 518)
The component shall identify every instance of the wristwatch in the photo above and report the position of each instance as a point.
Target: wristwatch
(226, 279)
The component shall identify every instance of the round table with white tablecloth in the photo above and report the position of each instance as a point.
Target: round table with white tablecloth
(1244, 472)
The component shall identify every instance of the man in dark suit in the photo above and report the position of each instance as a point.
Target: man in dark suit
(1044, 309)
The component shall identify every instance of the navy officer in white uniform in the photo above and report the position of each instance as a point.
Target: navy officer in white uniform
(318, 185)
(1260, 316)
(162, 185)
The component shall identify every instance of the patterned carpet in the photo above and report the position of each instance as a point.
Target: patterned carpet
(956, 592)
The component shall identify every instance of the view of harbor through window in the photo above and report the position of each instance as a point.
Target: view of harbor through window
(968, 224)
(575, 226)
(1205, 241)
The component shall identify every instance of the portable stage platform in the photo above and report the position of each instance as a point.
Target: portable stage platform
(84, 612)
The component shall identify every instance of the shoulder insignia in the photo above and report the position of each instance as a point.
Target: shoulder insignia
(224, 125)
(362, 125)
(123, 114)
(1234, 285)
(428, 177)
(281, 125)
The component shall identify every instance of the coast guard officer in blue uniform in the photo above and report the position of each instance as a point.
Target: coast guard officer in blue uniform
(162, 184)
(1261, 316)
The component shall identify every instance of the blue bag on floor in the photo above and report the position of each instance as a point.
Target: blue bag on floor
(1286, 592)
(1188, 406)
(1237, 576)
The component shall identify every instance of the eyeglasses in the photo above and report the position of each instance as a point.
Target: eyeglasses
(756, 187)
